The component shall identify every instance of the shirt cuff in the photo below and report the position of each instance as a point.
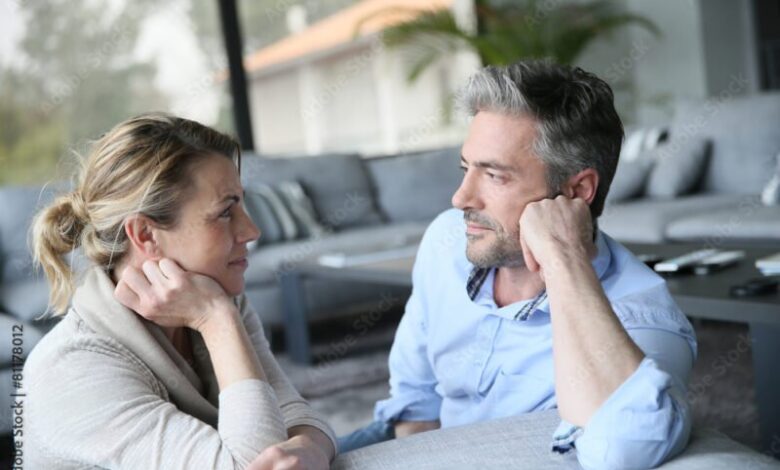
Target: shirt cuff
(409, 407)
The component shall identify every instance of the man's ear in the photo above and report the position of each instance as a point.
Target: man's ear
(583, 185)
(141, 231)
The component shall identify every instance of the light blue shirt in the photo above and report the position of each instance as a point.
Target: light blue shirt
(459, 358)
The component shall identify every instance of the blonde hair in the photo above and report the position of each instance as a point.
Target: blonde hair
(141, 166)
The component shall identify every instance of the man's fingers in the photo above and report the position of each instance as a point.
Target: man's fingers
(530, 261)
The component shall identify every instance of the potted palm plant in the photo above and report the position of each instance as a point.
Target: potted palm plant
(507, 31)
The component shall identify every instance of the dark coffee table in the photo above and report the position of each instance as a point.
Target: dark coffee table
(705, 297)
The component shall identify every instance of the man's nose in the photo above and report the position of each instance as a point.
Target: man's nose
(465, 196)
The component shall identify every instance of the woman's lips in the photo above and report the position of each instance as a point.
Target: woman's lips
(241, 263)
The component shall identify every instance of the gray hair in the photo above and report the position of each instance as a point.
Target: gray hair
(577, 125)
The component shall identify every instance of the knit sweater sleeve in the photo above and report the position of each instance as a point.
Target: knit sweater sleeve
(295, 409)
(97, 405)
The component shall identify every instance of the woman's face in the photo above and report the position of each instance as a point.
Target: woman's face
(213, 230)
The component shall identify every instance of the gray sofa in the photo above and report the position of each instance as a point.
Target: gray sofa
(523, 442)
(724, 208)
(23, 292)
(364, 203)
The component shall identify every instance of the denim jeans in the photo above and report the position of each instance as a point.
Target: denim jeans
(374, 433)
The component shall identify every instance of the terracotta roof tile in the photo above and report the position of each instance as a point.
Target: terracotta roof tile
(338, 29)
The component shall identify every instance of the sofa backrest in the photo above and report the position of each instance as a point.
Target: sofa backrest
(745, 134)
(18, 206)
(416, 187)
(338, 185)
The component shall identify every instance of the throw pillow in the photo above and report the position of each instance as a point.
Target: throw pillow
(263, 215)
(301, 208)
(770, 196)
(629, 180)
(678, 168)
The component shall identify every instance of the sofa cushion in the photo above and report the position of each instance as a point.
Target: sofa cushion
(418, 186)
(338, 185)
(645, 220)
(678, 167)
(745, 140)
(749, 221)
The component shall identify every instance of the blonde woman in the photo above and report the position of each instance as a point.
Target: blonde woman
(159, 362)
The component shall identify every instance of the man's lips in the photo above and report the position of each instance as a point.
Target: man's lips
(475, 229)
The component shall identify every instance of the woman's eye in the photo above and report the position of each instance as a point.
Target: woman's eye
(226, 212)
(463, 169)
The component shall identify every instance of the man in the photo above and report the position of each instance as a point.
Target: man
(520, 304)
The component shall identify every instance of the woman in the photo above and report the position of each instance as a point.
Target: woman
(159, 362)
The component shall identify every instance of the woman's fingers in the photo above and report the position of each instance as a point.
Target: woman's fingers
(125, 295)
(170, 268)
(153, 273)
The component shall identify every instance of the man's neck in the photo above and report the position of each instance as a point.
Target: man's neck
(513, 284)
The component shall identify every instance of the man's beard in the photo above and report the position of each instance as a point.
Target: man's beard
(503, 251)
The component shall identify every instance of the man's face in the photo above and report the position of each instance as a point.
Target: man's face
(501, 175)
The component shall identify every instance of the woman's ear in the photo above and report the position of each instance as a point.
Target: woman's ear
(140, 231)
(583, 185)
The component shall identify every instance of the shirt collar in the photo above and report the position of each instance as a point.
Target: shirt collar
(478, 276)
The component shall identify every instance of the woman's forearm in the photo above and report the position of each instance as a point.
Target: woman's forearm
(318, 438)
(231, 351)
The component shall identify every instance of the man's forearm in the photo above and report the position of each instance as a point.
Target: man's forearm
(407, 428)
(593, 354)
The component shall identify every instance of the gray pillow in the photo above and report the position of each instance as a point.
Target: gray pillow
(301, 208)
(678, 168)
(282, 212)
(263, 216)
(630, 178)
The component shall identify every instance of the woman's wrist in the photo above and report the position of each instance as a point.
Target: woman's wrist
(221, 315)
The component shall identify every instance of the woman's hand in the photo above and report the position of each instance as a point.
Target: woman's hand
(296, 453)
(165, 294)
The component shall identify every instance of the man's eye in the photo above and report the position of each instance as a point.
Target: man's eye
(226, 212)
(463, 169)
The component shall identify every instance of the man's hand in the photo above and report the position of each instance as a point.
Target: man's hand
(296, 453)
(407, 428)
(552, 230)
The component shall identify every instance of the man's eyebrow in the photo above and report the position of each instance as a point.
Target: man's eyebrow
(230, 197)
(491, 164)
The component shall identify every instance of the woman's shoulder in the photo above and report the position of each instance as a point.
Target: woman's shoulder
(73, 345)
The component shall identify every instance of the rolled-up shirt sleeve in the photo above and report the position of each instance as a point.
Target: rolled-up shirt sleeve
(413, 395)
(646, 420)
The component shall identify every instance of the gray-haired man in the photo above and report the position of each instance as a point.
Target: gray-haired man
(520, 304)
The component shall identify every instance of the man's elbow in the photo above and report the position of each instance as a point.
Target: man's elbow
(618, 451)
